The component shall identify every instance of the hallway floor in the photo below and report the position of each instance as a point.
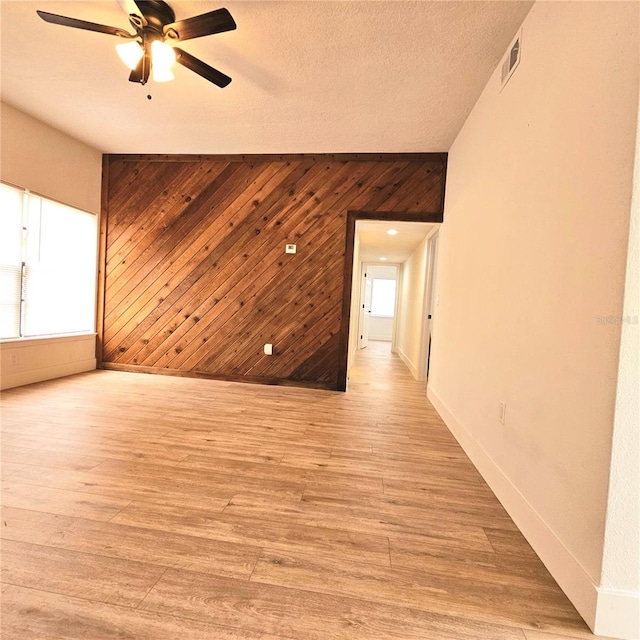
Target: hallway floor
(154, 507)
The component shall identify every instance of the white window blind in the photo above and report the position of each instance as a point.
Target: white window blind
(11, 250)
(57, 268)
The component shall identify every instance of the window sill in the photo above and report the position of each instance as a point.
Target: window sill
(44, 340)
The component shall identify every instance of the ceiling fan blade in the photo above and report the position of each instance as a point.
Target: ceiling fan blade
(201, 68)
(83, 24)
(203, 25)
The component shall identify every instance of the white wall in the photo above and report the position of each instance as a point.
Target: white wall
(531, 265)
(380, 328)
(37, 157)
(618, 605)
(410, 313)
(48, 162)
(26, 361)
(382, 271)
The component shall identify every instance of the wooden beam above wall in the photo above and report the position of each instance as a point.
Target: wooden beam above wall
(284, 157)
(194, 271)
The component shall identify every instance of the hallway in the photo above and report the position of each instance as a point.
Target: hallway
(142, 506)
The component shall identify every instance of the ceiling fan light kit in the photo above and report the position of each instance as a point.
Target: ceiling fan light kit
(150, 50)
(163, 57)
(130, 53)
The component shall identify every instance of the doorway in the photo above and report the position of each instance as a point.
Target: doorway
(378, 303)
(354, 286)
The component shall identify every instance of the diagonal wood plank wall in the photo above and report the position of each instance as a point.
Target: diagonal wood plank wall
(194, 275)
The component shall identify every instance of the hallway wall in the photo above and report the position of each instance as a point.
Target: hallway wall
(414, 273)
(531, 279)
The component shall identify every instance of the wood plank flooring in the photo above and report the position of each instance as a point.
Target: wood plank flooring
(151, 507)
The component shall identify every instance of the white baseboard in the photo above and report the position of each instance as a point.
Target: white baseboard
(8, 381)
(573, 579)
(412, 367)
(618, 614)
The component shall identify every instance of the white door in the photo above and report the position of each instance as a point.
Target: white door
(365, 310)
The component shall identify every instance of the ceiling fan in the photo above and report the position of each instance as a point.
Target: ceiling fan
(150, 50)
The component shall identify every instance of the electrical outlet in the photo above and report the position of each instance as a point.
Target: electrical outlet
(13, 359)
(502, 412)
(268, 349)
(290, 248)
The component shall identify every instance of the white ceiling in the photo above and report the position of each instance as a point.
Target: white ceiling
(376, 243)
(326, 76)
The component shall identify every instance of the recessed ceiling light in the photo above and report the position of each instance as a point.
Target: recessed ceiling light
(393, 232)
(383, 259)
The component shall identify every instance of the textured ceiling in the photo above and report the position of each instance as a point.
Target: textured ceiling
(334, 76)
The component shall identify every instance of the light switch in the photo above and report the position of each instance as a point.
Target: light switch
(268, 349)
(290, 248)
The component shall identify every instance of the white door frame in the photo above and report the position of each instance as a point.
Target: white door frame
(364, 267)
(362, 308)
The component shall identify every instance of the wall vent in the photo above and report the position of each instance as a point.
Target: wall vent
(512, 58)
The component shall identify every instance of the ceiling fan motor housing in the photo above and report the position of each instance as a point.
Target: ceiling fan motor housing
(157, 14)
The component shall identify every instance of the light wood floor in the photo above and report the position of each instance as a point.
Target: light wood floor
(150, 507)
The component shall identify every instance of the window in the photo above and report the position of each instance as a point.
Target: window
(383, 297)
(47, 266)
